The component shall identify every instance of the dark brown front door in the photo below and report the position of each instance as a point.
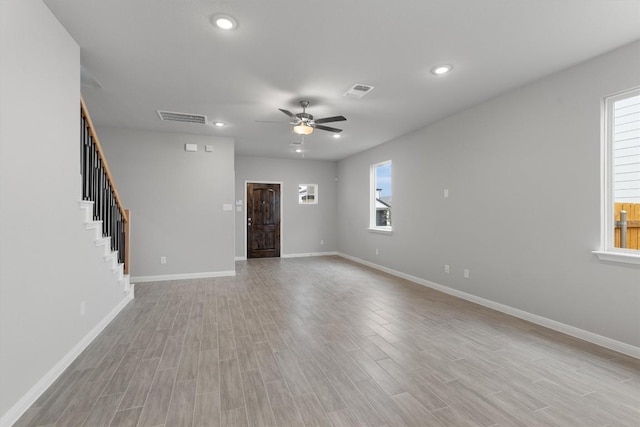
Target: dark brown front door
(263, 220)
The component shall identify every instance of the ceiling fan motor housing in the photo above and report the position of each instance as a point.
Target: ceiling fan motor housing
(305, 117)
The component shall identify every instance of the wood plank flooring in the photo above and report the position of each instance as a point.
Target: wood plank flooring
(326, 342)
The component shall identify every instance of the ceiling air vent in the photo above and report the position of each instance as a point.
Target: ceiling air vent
(182, 117)
(358, 91)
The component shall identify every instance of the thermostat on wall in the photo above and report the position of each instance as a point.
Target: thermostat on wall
(190, 147)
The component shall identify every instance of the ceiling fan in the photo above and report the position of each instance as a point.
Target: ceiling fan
(304, 123)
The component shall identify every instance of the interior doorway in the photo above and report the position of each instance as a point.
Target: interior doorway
(263, 220)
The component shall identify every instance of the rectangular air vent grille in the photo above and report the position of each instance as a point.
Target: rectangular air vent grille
(182, 117)
(358, 91)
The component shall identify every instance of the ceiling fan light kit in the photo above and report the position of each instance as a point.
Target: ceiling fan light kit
(302, 129)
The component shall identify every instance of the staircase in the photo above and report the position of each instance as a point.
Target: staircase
(105, 214)
(110, 256)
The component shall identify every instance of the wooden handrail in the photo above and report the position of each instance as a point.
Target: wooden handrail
(94, 135)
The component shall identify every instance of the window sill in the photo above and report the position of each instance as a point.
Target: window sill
(622, 257)
(388, 230)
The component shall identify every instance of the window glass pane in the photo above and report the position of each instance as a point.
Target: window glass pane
(308, 194)
(383, 195)
(626, 171)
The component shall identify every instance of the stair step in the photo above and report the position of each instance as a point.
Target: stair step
(103, 241)
(126, 283)
(109, 255)
(91, 225)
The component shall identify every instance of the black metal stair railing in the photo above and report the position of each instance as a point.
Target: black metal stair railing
(98, 187)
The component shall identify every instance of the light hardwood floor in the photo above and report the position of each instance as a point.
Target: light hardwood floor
(323, 341)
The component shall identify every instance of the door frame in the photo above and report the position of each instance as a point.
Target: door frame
(244, 225)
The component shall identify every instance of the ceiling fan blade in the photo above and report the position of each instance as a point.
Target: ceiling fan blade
(272, 121)
(288, 113)
(331, 119)
(330, 129)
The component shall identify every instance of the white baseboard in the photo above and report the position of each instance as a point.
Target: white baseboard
(621, 347)
(165, 277)
(307, 254)
(17, 410)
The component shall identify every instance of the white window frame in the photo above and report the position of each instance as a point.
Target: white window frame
(608, 251)
(313, 201)
(372, 204)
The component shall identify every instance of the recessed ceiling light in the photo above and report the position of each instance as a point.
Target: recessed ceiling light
(224, 22)
(219, 124)
(336, 135)
(298, 150)
(442, 69)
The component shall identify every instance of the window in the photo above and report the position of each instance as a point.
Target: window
(308, 194)
(621, 178)
(380, 211)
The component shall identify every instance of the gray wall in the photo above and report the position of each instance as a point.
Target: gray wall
(176, 199)
(523, 171)
(48, 260)
(303, 226)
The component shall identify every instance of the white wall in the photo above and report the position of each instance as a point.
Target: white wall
(48, 261)
(523, 171)
(176, 199)
(302, 226)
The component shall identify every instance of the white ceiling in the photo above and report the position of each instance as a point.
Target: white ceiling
(165, 54)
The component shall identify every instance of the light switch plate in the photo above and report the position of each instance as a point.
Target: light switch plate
(208, 148)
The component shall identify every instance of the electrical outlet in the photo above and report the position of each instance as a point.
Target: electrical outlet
(321, 242)
(163, 260)
(83, 308)
(446, 193)
(377, 251)
(466, 273)
(446, 268)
